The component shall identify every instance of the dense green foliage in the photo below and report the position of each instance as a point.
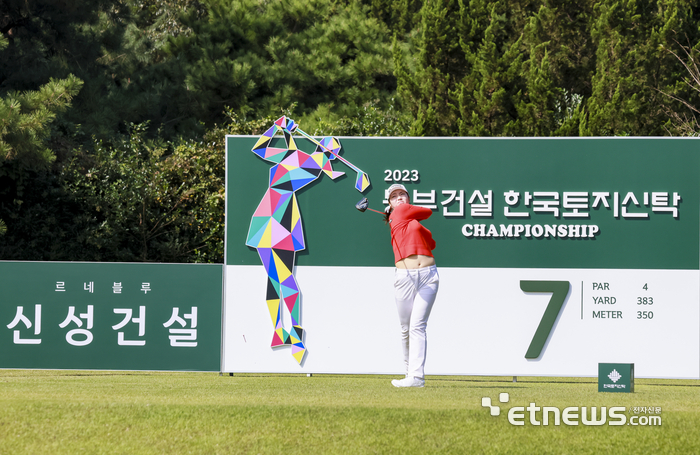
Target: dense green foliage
(113, 112)
(255, 57)
(547, 68)
(145, 205)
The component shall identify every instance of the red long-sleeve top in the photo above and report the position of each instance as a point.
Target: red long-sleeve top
(408, 236)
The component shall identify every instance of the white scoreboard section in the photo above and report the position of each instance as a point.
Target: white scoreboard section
(483, 323)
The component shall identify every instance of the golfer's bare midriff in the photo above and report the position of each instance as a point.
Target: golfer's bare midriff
(415, 261)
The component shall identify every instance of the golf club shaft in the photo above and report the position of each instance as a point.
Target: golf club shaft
(352, 166)
(376, 211)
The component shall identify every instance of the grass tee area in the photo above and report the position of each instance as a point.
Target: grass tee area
(69, 412)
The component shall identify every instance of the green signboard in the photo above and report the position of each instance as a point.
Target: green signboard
(110, 316)
(624, 203)
(616, 377)
(545, 247)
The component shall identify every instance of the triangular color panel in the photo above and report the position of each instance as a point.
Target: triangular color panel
(298, 237)
(266, 257)
(296, 215)
(292, 161)
(291, 301)
(311, 163)
(298, 353)
(292, 144)
(265, 240)
(283, 200)
(256, 230)
(286, 290)
(278, 174)
(265, 206)
(279, 232)
(282, 271)
(285, 244)
(276, 341)
(362, 182)
(291, 284)
(273, 307)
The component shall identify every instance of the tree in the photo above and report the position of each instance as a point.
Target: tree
(560, 64)
(545, 68)
(440, 63)
(128, 199)
(371, 120)
(400, 16)
(113, 46)
(632, 64)
(259, 57)
(25, 155)
(44, 39)
(149, 203)
(25, 119)
(486, 95)
(684, 122)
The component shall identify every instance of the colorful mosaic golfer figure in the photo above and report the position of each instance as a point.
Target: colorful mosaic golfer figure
(276, 229)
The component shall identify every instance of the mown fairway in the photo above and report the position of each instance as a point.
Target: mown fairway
(69, 412)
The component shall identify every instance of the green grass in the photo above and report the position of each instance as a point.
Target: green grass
(69, 412)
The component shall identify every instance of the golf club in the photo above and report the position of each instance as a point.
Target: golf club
(362, 181)
(363, 205)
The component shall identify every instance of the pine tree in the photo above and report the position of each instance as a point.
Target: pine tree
(495, 53)
(425, 91)
(25, 119)
(400, 16)
(632, 64)
(672, 38)
(536, 107)
(45, 38)
(261, 57)
(559, 32)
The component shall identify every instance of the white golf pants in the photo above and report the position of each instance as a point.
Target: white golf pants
(415, 291)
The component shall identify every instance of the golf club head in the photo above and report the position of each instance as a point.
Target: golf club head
(362, 205)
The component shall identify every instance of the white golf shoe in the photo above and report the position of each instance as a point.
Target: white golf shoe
(408, 381)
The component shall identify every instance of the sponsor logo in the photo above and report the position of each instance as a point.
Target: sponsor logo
(614, 376)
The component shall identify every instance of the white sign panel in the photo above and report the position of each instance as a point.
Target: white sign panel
(482, 323)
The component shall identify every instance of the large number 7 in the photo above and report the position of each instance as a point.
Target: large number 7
(559, 290)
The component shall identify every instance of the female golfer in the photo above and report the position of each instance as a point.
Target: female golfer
(416, 280)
